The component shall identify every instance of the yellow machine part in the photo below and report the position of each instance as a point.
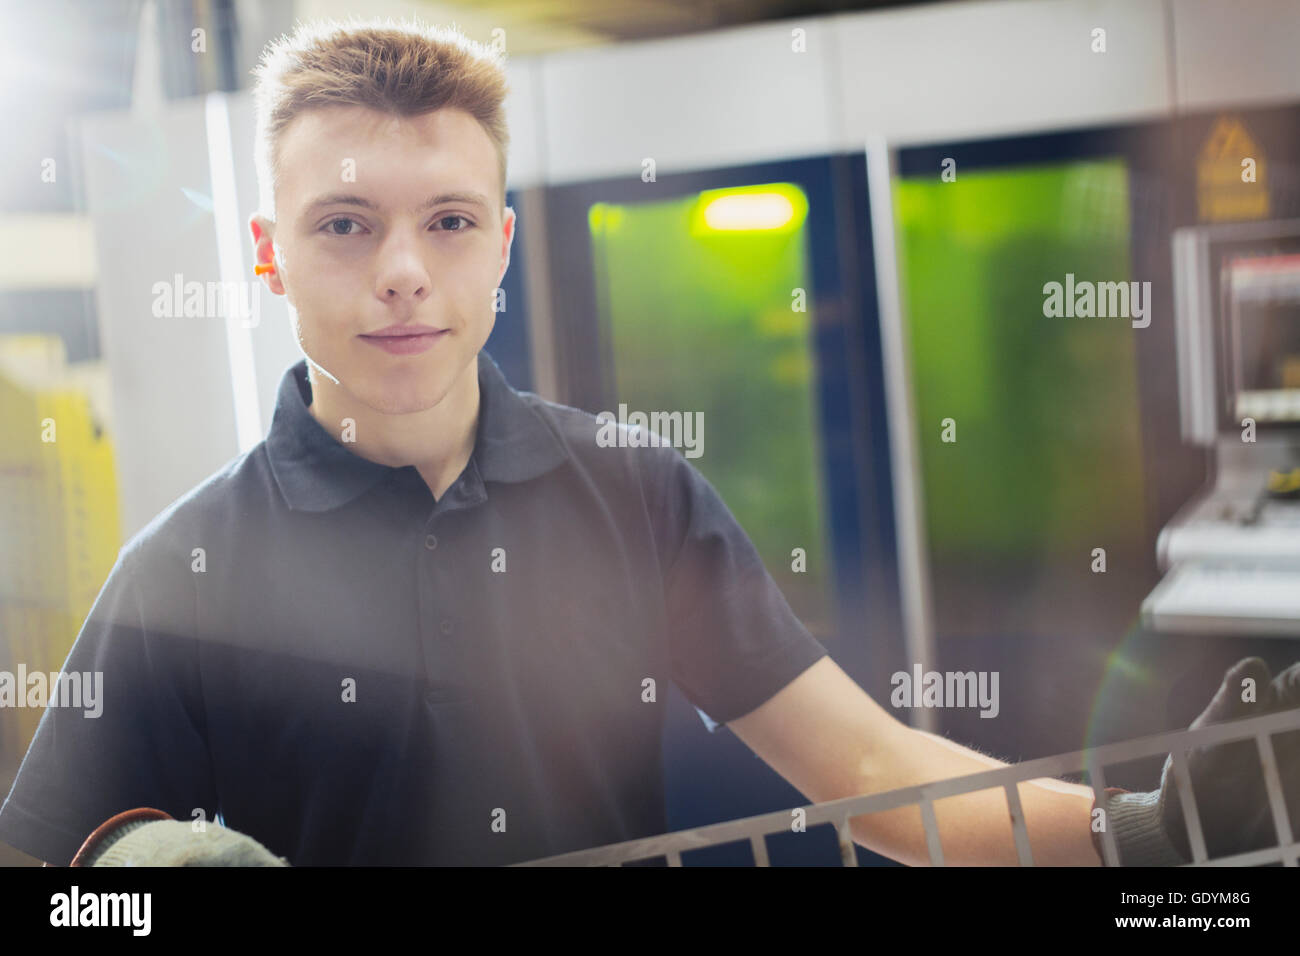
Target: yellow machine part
(60, 528)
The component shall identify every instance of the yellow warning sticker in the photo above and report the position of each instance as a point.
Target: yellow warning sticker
(1230, 175)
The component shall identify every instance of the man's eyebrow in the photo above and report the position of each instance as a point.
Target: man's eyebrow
(472, 198)
(349, 199)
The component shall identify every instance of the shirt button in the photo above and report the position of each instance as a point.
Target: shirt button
(445, 626)
(430, 541)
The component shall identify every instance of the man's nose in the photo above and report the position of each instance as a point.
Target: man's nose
(402, 274)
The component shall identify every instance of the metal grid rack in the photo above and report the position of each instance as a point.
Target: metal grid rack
(840, 812)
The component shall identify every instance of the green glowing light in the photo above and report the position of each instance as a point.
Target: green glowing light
(771, 207)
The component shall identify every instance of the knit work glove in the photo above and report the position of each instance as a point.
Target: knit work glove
(1227, 781)
(147, 837)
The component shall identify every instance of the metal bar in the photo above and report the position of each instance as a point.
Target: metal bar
(230, 263)
(931, 825)
(1191, 816)
(674, 858)
(758, 843)
(1018, 829)
(1273, 784)
(848, 856)
(904, 457)
(1257, 857)
(1109, 849)
(543, 347)
(833, 811)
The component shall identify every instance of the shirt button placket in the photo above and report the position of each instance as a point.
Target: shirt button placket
(445, 625)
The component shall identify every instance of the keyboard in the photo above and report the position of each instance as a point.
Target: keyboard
(1226, 598)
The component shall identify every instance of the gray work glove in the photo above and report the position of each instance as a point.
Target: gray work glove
(1227, 781)
(147, 837)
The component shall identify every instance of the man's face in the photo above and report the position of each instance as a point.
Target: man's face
(384, 222)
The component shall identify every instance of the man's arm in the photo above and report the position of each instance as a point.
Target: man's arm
(827, 737)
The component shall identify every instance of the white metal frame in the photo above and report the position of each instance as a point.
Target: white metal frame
(839, 812)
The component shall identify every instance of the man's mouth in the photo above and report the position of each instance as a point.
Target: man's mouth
(405, 340)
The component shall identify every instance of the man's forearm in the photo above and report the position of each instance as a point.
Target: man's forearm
(975, 828)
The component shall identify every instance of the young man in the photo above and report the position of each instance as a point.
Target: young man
(429, 619)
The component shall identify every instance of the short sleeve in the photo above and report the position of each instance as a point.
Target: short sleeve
(127, 732)
(734, 640)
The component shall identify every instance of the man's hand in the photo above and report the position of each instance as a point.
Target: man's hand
(1227, 781)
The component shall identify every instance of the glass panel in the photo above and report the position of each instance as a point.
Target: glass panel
(1047, 461)
(698, 295)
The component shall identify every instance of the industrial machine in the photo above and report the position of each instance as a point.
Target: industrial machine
(1232, 554)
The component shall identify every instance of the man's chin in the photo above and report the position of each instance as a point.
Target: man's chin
(403, 385)
(395, 401)
(400, 387)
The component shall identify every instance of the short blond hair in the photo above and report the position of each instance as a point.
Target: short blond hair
(402, 68)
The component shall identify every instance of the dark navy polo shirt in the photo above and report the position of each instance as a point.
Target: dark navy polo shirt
(352, 672)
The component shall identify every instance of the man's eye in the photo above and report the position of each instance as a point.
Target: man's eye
(341, 226)
(446, 219)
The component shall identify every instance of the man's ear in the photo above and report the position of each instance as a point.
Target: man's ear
(264, 251)
(508, 241)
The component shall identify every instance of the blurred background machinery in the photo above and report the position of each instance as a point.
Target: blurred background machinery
(58, 511)
(1233, 552)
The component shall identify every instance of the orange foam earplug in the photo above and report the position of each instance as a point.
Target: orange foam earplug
(262, 267)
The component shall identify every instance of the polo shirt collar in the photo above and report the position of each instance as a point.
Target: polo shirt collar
(316, 472)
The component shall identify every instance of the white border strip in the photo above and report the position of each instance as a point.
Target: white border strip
(230, 262)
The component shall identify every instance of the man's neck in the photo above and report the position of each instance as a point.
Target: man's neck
(438, 441)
